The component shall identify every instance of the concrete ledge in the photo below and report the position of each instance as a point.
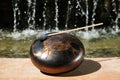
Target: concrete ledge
(90, 69)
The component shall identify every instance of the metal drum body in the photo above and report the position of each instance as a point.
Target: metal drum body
(57, 54)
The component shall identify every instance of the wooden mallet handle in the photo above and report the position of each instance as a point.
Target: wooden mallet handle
(85, 27)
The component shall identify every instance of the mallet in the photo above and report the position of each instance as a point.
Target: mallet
(66, 31)
(85, 27)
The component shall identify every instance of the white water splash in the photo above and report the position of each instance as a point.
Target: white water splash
(87, 35)
(23, 35)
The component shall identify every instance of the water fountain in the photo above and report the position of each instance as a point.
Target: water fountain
(80, 12)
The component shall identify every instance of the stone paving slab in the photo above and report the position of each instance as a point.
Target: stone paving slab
(90, 69)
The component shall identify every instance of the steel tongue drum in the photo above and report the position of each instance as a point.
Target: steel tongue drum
(57, 53)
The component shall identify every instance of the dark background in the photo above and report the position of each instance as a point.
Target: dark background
(104, 13)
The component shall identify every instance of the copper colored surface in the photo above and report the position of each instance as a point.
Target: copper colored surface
(57, 54)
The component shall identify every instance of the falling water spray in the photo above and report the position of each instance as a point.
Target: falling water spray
(68, 13)
(16, 11)
(115, 26)
(31, 13)
(95, 2)
(87, 12)
(56, 15)
(44, 15)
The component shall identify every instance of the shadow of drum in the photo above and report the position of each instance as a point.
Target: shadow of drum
(87, 67)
